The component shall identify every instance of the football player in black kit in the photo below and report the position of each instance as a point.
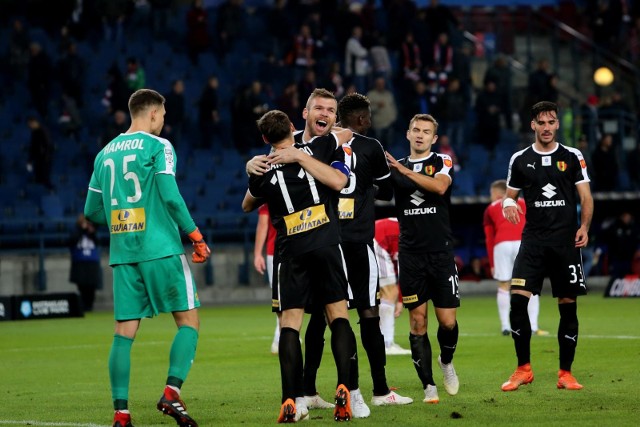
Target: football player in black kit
(300, 191)
(369, 179)
(422, 187)
(553, 179)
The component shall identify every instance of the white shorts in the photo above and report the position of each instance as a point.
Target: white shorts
(504, 256)
(386, 268)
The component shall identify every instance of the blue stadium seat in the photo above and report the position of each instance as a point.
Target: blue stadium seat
(51, 206)
(463, 184)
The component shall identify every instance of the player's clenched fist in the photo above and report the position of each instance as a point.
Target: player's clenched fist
(201, 251)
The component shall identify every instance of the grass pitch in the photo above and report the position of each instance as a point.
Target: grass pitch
(54, 372)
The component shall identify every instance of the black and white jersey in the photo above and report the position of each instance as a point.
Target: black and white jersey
(423, 215)
(368, 163)
(303, 210)
(547, 182)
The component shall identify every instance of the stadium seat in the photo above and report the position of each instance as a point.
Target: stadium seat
(463, 184)
(51, 206)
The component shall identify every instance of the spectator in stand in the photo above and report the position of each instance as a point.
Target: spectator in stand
(249, 105)
(488, 116)
(384, 112)
(175, 117)
(70, 120)
(136, 78)
(411, 59)
(605, 165)
(444, 147)
(288, 103)
(86, 271)
(356, 61)
(334, 81)
(302, 52)
(18, 53)
(279, 25)
(198, 39)
(605, 21)
(306, 86)
(440, 19)
(380, 59)
(71, 73)
(474, 270)
(161, 11)
(40, 153)
(113, 14)
(229, 25)
(633, 167)
(453, 110)
(500, 72)
(116, 124)
(424, 100)
(116, 96)
(442, 60)
(462, 70)
(208, 112)
(622, 238)
(39, 78)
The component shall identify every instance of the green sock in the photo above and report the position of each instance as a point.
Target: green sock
(119, 369)
(183, 351)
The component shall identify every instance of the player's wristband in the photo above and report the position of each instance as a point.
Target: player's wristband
(507, 202)
(196, 236)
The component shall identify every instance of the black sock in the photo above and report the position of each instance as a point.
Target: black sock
(342, 345)
(373, 343)
(520, 328)
(290, 355)
(568, 334)
(354, 370)
(421, 355)
(313, 347)
(448, 340)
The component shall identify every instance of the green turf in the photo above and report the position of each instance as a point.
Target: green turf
(54, 372)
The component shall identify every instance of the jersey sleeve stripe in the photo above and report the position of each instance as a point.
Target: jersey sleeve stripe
(95, 190)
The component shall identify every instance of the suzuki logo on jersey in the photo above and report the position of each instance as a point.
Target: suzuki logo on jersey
(548, 192)
(305, 220)
(562, 166)
(128, 220)
(416, 198)
(429, 170)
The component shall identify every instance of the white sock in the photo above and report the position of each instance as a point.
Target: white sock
(387, 321)
(276, 334)
(123, 411)
(534, 309)
(504, 303)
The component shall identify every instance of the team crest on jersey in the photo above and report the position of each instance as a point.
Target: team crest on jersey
(430, 170)
(305, 220)
(546, 161)
(417, 167)
(347, 150)
(346, 208)
(583, 164)
(562, 166)
(128, 220)
(448, 163)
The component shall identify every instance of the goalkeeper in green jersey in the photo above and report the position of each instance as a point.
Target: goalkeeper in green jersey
(133, 191)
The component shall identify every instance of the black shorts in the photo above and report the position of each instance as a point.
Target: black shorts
(316, 277)
(428, 276)
(362, 273)
(562, 264)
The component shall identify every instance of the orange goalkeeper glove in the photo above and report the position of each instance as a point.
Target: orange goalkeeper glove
(201, 250)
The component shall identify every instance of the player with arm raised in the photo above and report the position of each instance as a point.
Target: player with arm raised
(133, 190)
(300, 192)
(422, 186)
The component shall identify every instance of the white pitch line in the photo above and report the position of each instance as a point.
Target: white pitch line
(45, 423)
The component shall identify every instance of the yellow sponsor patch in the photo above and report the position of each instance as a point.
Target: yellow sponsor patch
(275, 303)
(346, 208)
(518, 282)
(305, 220)
(128, 220)
(410, 299)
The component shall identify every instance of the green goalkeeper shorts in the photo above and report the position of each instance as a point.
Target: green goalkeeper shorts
(158, 286)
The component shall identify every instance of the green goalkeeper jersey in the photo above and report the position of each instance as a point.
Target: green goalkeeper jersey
(133, 190)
